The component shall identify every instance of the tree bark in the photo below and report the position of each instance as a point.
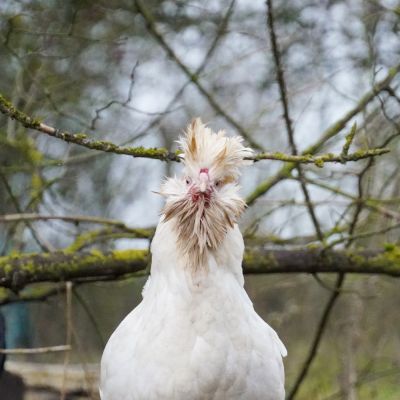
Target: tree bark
(17, 271)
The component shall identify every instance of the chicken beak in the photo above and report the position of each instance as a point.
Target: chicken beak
(204, 182)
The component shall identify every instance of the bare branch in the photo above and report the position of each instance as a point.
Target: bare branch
(151, 26)
(318, 337)
(68, 218)
(214, 45)
(329, 133)
(44, 246)
(81, 139)
(36, 350)
(280, 76)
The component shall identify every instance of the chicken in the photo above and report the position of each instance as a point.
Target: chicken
(195, 335)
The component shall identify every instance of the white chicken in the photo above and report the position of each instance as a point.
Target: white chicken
(195, 335)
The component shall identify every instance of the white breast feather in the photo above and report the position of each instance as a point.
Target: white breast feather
(195, 336)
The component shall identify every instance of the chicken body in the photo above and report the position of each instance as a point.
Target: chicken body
(195, 335)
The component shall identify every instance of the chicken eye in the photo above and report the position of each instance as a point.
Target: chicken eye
(218, 183)
(188, 181)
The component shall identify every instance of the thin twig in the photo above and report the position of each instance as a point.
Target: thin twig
(68, 324)
(337, 290)
(44, 246)
(36, 350)
(91, 316)
(329, 133)
(286, 115)
(317, 338)
(125, 103)
(214, 45)
(348, 141)
(67, 218)
(151, 26)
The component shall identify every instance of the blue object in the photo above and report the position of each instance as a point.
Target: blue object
(17, 320)
(2, 341)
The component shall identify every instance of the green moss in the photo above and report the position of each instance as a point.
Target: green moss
(7, 268)
(319, 162)
(4, 102)
(394, 70)
(127, 255)
(308, 157)
(19, 270)
(6, 107)
(103, 145)
(253, 260)
(348, 140)
(80, 135)
(356, 258)
(389, 246)
(158, 153)
(279, 156)
(358, 153)
(387, 261)
(96, 253)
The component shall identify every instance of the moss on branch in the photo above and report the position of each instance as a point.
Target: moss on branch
(17, 271)
(163, 154)
(320, 160)
(82, 139)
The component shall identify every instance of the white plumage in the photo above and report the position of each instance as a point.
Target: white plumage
(195, 335)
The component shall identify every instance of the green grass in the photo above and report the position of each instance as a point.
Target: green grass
(377, 381)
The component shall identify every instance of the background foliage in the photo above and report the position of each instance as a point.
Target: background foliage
(100, 67)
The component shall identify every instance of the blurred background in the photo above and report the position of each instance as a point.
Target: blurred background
(97, 67)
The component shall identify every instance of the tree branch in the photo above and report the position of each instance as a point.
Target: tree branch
(81, 139)
(36, 350)
(17, 271)
(329, 133)
(151, 26)
(214, 45)
(280, 76)
(318, 336)
(74, 219)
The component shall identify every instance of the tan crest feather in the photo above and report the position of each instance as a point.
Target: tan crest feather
(222, 155)
(192, 148)
(202, 225)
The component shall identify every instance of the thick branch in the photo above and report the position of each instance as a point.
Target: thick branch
(17, 271)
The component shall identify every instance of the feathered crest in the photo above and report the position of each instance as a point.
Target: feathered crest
(202, 225)
(221, 154)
